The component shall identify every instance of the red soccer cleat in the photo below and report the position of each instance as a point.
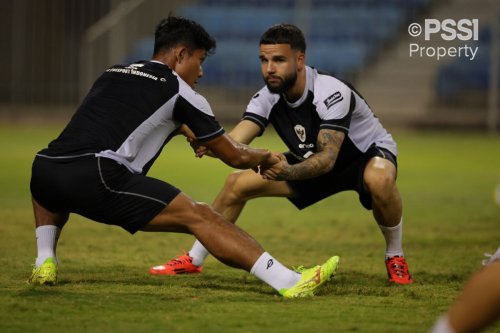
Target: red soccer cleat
(397, 269)
(180, 265)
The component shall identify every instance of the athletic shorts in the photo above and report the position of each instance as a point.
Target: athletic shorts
(345, 176)
(100, 189)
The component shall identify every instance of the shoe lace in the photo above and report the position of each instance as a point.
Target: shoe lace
(182, 259)
(398, 266)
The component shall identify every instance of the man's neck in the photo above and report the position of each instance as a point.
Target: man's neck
(297, 90)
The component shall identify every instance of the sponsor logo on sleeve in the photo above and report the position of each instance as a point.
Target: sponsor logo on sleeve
(333, 99)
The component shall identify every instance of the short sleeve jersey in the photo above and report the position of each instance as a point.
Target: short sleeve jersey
(130, 113)
(327, 103)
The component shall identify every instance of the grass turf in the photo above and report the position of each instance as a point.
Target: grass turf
(447, 182)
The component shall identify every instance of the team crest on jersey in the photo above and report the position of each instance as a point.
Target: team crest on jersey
(333, 99)
(301, 132)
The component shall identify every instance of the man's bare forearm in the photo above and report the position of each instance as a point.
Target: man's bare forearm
(329, 143)
(250, 157)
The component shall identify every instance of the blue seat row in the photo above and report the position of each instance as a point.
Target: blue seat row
(464, 74)
(328, 22)
(341, 34)
(236, 22)
(367, 25)
(236, 62)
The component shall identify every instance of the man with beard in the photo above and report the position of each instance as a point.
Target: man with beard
(335, 144)
(98, 165)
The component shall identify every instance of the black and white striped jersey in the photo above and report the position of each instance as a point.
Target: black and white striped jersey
(130, 113)
(327, 102)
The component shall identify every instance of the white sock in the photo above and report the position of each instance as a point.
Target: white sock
(46, 240)
(442, 325)
(272, 272)
(393, 239)
(199, 253)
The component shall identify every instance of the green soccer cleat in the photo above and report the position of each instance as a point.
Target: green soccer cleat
(311, 279)
(45, 274)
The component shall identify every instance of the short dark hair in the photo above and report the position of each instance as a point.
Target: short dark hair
(285, 33)
(175, 30)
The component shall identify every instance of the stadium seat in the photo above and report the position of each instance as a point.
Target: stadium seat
(143, 50)
(342, 34)
(234, 64)
(245, 22)
(465, 75)
(338, 58)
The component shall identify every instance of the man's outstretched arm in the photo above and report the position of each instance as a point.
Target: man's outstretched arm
(328, 147)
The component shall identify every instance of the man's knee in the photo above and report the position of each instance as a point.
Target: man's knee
(380, 182)
(183, 214)
(203, 212)
(234, 189)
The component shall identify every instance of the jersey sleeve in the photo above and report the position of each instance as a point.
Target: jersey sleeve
(259, 108)
(193, 110)
(335, 106)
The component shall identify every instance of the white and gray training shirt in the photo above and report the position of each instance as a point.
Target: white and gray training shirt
(327, 102)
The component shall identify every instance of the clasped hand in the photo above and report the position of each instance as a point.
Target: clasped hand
(271, 169)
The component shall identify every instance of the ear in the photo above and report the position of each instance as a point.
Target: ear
(180, 53)
(301, 60)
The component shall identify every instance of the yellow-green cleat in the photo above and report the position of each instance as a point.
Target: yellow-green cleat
(45, 274)
(311, 279)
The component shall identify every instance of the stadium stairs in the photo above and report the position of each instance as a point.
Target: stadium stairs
(402, 90)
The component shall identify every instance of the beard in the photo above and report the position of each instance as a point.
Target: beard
(285, 83)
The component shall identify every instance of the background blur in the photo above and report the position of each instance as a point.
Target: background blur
(53, 50)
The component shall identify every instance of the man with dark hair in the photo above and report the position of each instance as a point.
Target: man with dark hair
(97, 166)
(335, 144)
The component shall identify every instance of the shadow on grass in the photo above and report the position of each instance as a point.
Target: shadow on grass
(116, 280)
(355, 283)
(229, 285)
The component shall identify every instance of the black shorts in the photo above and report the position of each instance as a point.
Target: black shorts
(344, 176)
(99, 189)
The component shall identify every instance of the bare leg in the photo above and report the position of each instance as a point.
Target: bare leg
(242, 186)
(479, 304)
(45, 217)
(380, 179)
(239, 187)
(225, 241)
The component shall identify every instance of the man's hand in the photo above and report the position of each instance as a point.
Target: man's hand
(276, 169)
(198, 148)
(268, 162)
(320, 163)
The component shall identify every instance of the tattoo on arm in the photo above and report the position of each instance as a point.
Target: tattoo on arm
(328, 147)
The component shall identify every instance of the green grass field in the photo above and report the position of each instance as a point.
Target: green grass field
(447, 182)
